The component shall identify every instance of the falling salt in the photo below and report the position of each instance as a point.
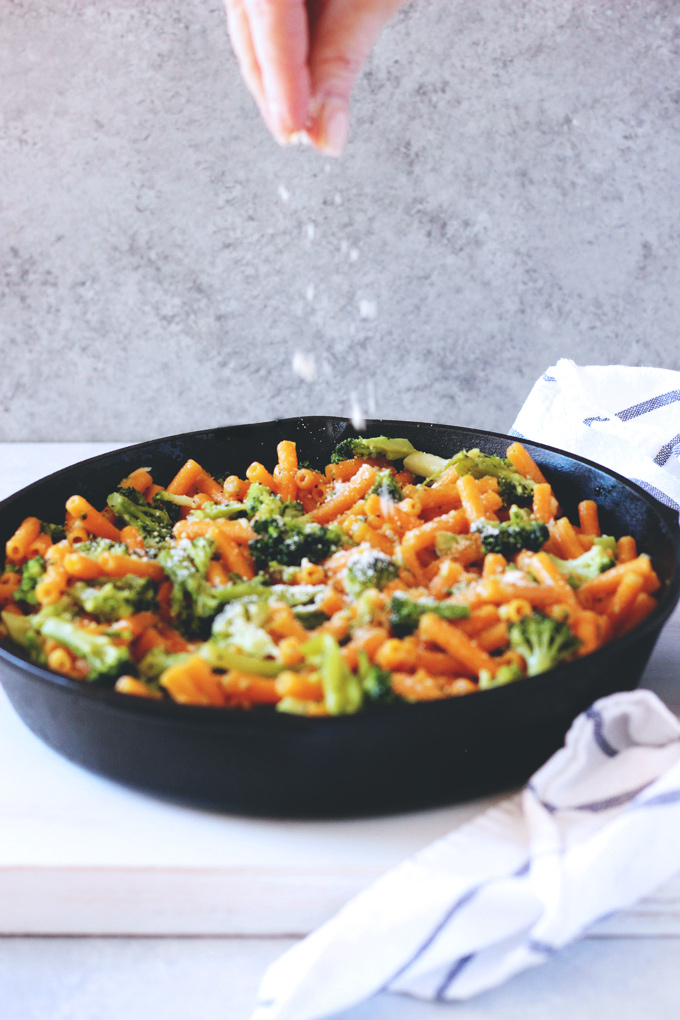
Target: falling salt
(353, 254)
(310, 231)
(284, 193)
(304, 365)
(337, 198)
(370, 394)
(356, 414)
(367, 309)
(343, 247)
(309, 292)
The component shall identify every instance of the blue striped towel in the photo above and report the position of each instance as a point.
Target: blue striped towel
(595, 829)
(625, 418)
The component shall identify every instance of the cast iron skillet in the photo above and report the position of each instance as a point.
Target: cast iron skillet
(395, 758)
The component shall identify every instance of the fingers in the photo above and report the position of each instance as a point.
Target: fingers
(344, 32)
(271, 41)
(242, 42)
(300, 83)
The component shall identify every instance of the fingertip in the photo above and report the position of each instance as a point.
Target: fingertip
(329, 130)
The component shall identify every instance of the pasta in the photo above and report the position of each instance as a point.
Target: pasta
(387, 575)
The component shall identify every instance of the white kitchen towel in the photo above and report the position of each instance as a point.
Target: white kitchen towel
(596, 828)
(625, 418)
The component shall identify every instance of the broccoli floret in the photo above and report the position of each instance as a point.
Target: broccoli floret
(94, 547)
(343, 691)
(386, 486)
(542, 641)
(105, 660)
(378, 446)
(172, 504)
(521, 531)
(31, 572)
(57, 532)
(506, 674)
(287, 541)
(405, 612)
(304, 600)
(154, 523)
(369, 568)
(376, 682)
(192, 600)
(241, 625)
(512, 486)
(585, 567)
(264, 503)
(117, 598)
(21, 631)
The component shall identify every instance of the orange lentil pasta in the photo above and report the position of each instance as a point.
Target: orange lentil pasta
(387, 575)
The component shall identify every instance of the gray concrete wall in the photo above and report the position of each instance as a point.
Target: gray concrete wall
(511, 194)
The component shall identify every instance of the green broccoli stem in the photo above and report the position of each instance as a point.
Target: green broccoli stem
(105, 659)
(343, 691)
(17, 627)
(220, 657)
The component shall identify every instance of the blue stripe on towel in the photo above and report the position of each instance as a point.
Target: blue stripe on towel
(598, 733)
(453, 973)
(609, 802)
(450, 913)
(669, 797)
(657, 493)
(536, 946)
(649, 405)
(589, 421)
(594, 806)
(666, 451)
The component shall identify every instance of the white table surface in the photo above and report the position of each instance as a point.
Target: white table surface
(80, 855)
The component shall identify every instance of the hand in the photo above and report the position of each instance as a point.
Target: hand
(300, 60)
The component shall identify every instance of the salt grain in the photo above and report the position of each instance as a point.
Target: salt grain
(309, 292)
(284, 193)
(304, 365)
(367, 309)
(353, 254)
(310, 231)
(356, 414)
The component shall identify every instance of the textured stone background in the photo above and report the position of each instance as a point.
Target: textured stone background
(511, 194)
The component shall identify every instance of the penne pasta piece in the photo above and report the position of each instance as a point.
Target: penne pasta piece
(346, 496)
(95, 522)
(185, 480)
(522, 461)
(16, 547)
